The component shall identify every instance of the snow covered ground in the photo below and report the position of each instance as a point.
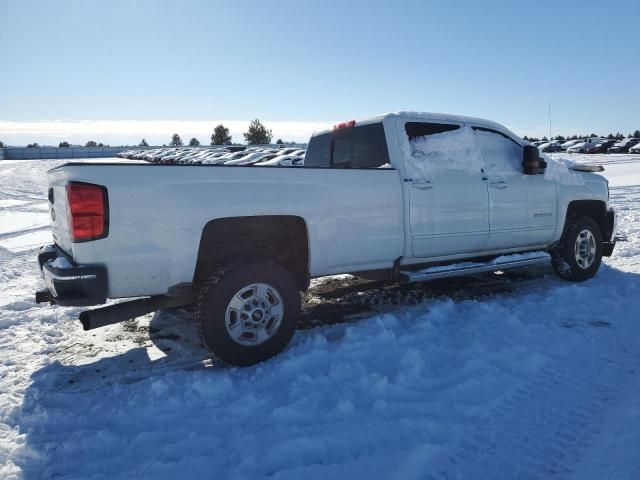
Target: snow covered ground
(507, 376)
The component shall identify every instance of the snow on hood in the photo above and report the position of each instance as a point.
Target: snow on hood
(561, 171)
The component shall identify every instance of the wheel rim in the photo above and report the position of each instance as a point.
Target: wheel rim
(254, 314)
(585, 249)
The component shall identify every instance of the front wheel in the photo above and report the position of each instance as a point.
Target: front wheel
(578, 255)
(248, 313)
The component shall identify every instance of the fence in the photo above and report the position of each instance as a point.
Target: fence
(23, 153)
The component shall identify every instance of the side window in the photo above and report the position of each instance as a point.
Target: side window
(502, 154)
(363, 146)
(421, 129)
(440, 147)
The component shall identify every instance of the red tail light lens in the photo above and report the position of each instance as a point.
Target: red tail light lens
(349, 124)
(88, 211)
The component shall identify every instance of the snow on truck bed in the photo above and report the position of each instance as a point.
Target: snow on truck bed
(506, 376)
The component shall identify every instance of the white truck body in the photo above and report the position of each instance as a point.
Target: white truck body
(405, 196)
(356, 219)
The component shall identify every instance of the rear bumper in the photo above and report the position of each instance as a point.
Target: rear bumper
(609, 242)
(69, 284)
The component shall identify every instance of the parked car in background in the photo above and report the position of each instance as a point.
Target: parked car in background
(550, 147)
(635, 148)
(249, 158)
(584, 145)
(623, 146)
(571, 143)
(578, 148)
(283, 161)
(600, 147)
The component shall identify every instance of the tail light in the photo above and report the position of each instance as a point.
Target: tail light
(88, 211)
(349, 124)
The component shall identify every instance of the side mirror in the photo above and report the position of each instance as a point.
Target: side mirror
(532, 164)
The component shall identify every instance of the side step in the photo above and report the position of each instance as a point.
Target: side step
(504, 262)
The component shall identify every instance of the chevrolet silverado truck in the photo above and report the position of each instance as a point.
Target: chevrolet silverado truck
(404, 196)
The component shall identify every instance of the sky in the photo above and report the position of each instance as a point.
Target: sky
(116, 71)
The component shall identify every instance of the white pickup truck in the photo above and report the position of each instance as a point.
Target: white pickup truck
(403, 196)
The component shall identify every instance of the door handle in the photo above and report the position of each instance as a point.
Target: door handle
(500, 185)
(422, 185)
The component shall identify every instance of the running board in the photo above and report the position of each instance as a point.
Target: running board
(504, 262)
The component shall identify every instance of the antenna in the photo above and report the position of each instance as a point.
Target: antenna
(549, 122)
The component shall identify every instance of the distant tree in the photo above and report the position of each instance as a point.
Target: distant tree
(610, 136)
(636, 134)
(220, 136)
(619, 136)
(257, 133)
(1, 144)
(560, 138)
(143, 143)
(176, 141)
(33, 145)
(280, 142)
(545, 139)
(91, 143)
(593, 135)
(63, 145)
(194, 142)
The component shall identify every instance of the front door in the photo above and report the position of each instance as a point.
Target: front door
(448, 198)
(522, 208)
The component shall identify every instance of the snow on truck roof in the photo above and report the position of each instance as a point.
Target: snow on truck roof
(434, 117)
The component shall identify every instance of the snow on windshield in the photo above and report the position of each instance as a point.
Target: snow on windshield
(558, 169)
(452, 150)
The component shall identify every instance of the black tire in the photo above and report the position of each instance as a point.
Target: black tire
(563, 256)
(215, 297)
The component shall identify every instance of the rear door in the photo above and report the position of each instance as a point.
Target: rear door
(448, 201)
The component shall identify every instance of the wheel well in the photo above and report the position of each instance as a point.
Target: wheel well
(280, 238)
(595, 209)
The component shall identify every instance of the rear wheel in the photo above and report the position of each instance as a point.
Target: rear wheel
(578, 255)
(248, 313)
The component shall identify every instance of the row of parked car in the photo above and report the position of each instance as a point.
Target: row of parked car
(286, 156)
(591, 145)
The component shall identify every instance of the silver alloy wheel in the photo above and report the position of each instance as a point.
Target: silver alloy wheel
(585, 249)
(254, 314)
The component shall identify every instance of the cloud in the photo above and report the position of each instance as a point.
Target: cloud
(158, 131)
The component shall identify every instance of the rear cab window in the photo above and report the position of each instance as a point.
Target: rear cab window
(358, 147)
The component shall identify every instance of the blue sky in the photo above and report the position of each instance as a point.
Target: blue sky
(80, 69)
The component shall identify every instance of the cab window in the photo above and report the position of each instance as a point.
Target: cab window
(501, 153)
(359, 147)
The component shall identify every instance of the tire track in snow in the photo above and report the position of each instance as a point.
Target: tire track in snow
(551, 420)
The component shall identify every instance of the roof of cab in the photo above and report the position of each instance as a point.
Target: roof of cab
(434, 117)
